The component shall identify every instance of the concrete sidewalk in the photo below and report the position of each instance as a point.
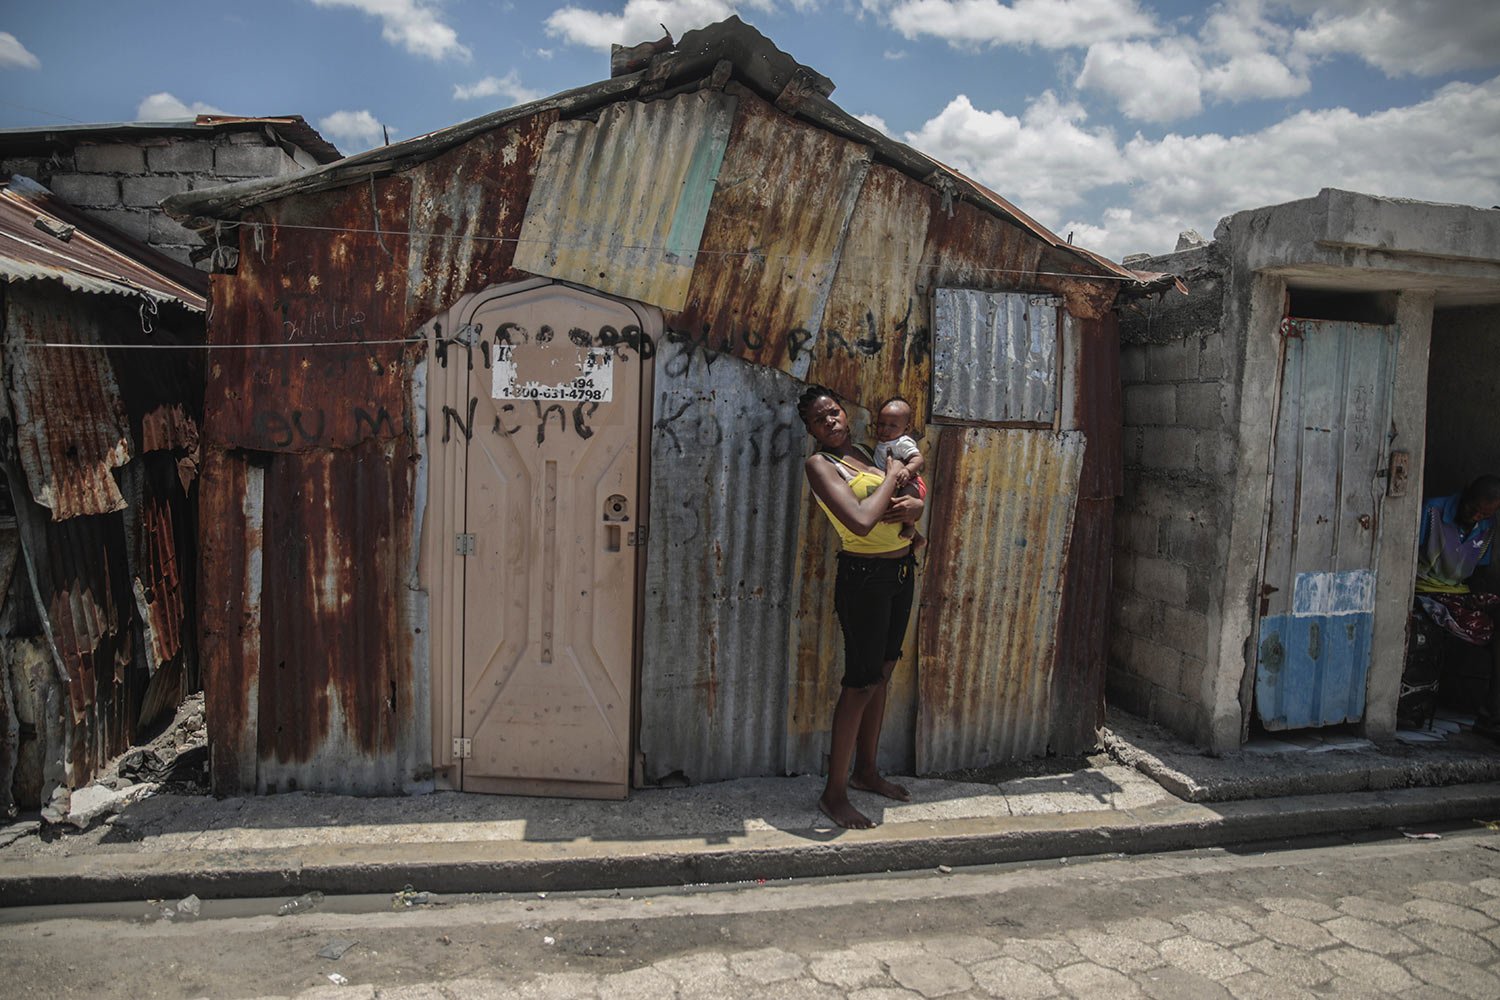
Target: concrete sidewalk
(168, 846)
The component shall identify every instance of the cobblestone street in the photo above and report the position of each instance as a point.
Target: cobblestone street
(1389, 917)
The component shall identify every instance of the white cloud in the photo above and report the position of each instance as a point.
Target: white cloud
(507, 86)
(1252, 54)
(639, 21)
(544, 53)
(894, 55)
(875, 122)
(1051, 164)
(1404, 36)
(163, 107)
(416, 25)
(1049, 24)
(1150, 81)
(14, 55)
(354, 130)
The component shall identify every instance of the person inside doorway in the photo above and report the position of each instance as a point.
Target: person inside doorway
(872, 596)
(1457, 536)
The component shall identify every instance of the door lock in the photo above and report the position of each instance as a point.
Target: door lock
(616, 513)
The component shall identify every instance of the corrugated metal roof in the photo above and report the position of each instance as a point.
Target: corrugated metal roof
(727, 447)
(771, 243)
(604, 215)
(995, 579)
(88, 256)
(995, 356)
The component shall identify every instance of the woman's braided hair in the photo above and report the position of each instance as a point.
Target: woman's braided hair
(811, 395)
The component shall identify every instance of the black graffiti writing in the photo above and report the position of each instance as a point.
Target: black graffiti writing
(625, 341)
(452, 416)
(315, 426)
(509, 421)
(767, 438)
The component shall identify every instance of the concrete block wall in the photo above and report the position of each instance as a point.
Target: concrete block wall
(1176, 365)
(122, 182)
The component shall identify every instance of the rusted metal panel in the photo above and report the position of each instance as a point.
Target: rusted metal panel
(869, 348)
(1001, 527)
(771, 243)
(44, 239)
(466, 212)
(336, 691)
(619, 205)
(301, 293)
(995, 356)
(727, 449)
(70, 423)
(1092, 401)
(1082, 636)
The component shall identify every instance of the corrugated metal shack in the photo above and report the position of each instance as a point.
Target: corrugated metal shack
(99, 446)
(405, 489)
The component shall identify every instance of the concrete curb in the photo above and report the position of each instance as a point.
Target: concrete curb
(526, 866)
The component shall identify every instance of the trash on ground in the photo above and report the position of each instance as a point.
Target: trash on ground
(1421, 836)
(336, 948)
(338, 980)
(408, 897)
(444, 939)
(945, 869)
(301, 904)
(191, 905)
(1489, 824)
(549, 939)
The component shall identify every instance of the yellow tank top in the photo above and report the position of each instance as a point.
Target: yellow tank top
(884, 537)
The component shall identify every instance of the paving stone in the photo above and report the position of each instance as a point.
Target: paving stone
(1369, 936)
(849, 969)
(1147, 930)
(354, 991)
(1296, 906)
(1428, 992)
(1259, 986)
(1374, 910)
(966, 949)
(1013, 979)
(1454, 976)
(930, 975)
(883, 993)
(1492, 936)
(1488, 886)
(702, 975)
(793, 989)
(1114, 951)
(767, 965)
(1086, 979)
(1044, 953)
(415, 991)
(685, 967)
(1294, 931)
(1449, 892)
(1366, 969)
(558, 986)
(1286, 964)
(1220, 928)
(1169, 983)
(1449, 913)
(1490, 907)
(1450, 941)
(644, 983)
(1202, 957)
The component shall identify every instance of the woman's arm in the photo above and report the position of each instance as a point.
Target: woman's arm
(859, 516)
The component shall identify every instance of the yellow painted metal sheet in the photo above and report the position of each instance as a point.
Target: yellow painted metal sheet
(866, 349)
(771, 243)
(1003, 521)
(619, 204)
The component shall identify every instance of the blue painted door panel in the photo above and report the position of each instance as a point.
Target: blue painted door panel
(1318, 594)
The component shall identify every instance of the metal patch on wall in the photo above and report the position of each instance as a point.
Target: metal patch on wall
(995, 356)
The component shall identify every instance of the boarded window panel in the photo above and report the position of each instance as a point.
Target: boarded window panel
(994, 356)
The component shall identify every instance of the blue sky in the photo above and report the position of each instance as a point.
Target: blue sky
(1124, 121)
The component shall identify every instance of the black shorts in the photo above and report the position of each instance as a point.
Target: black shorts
(873, 600)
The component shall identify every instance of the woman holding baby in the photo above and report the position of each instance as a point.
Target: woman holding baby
(872, 592)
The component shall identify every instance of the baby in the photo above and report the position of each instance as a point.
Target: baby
(893, 431)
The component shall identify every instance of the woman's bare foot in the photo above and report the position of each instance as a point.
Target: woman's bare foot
(880, 786)
(844, 814)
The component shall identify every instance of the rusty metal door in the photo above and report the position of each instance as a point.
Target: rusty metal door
(1318, 589)
(552, 529)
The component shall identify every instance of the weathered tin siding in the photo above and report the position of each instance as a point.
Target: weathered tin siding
(726, 453)
(1077, 696)
(619, 205)
(996, 356)
(106, 440)
(994, 586)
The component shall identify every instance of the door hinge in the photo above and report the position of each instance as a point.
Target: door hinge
(463, 748)
(639, 536)
(463, 543)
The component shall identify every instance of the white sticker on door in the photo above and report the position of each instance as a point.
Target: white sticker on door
(553, 371)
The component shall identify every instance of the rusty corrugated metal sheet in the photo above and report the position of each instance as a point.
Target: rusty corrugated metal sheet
(1096, 408)
(1083, 638)
(619, 205)
(70, 423)
(995, 356)
(1001, 525)
(311, 287)
(867, 350)
(726, 448)
(771, 243)
(87, 256)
